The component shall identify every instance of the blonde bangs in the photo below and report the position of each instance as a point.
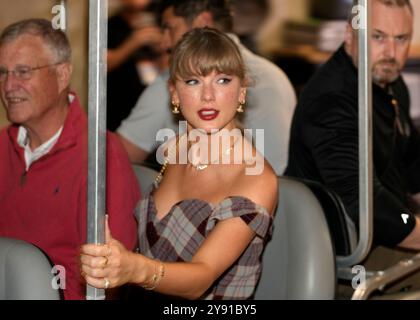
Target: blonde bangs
(198, 55)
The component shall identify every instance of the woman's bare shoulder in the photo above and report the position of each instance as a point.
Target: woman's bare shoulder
(261, 188)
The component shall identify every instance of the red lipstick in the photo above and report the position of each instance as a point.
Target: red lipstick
(208, 114)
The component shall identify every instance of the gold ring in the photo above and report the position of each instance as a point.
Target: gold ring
(105, 263)
(106, 284)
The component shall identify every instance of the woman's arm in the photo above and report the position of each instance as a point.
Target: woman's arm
(219, 251)
(147, 35)
(188, 280)
(222, 247)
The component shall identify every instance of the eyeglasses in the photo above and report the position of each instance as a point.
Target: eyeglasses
(23, 72)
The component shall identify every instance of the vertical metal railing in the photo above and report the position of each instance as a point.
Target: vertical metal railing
(365, 142)
(98, 30)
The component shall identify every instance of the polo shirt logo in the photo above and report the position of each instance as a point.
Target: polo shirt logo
(57, 190)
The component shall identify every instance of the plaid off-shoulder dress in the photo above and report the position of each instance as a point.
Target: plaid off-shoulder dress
(177, 237)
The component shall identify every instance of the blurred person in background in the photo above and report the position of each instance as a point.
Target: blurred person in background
(133, 57)
(271, 97)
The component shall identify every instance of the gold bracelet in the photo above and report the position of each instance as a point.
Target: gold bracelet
(156, 278)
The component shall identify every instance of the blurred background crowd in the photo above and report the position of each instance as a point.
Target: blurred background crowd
(297, 35)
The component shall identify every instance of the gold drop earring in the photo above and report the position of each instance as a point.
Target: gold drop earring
(240, 108)
(175, 108)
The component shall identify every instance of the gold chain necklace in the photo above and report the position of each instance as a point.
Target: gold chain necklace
(202, 166)
(197, 166)
(165, 163)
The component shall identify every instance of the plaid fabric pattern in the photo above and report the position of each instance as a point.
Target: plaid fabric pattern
(177, 237)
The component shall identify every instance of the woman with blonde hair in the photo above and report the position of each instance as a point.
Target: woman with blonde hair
(203, 226)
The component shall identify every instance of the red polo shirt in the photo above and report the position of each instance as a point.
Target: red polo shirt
(47, 205)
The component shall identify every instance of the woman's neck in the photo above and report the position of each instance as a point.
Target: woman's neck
(204, 149)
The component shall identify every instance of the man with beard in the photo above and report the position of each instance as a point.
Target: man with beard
(324, 135)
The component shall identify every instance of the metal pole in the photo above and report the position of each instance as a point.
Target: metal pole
(365, 144)
(97, 129)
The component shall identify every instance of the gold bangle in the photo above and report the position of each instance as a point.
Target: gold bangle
(157, 277)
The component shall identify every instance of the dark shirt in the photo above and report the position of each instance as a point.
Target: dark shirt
(324, 146)
(124, 84)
